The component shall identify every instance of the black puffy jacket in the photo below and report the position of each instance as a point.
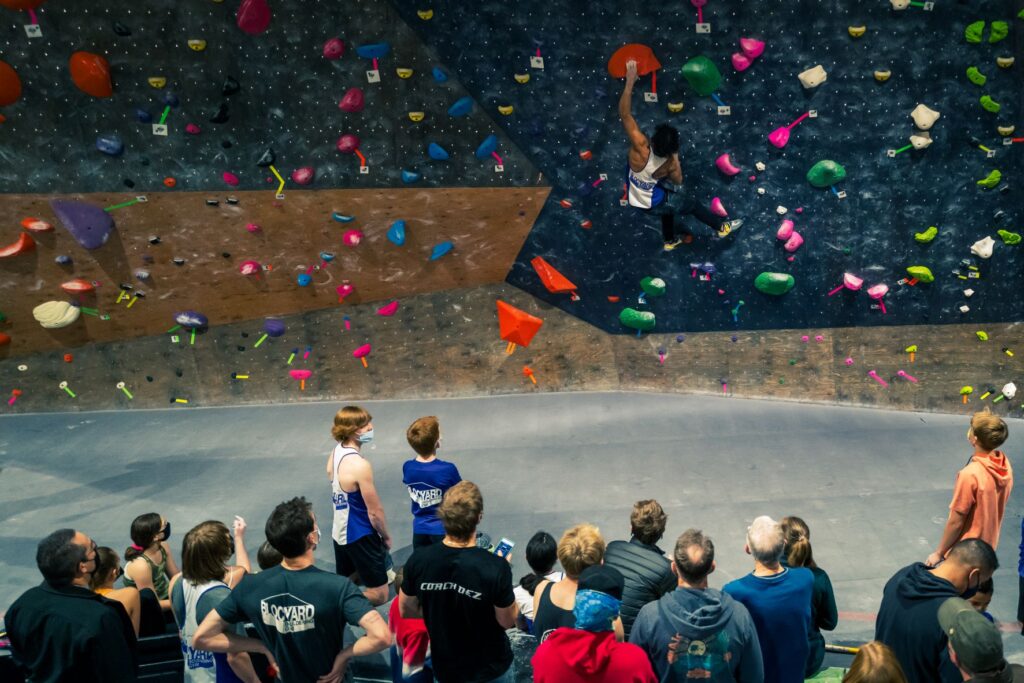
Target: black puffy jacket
(648, 575)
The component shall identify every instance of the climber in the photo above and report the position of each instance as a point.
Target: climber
(651, 162)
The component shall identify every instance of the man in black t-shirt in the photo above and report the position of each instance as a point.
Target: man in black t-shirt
(464, 594)
(299, 611)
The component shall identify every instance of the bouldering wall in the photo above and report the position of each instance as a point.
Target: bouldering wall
(881, 59)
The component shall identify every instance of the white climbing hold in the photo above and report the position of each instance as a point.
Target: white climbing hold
(983, 247)
(968, 293)
(965, 308)
(813, 77)
(921, 139)
(55, 314)
(760, 166)
(924, 118)
(781, 210)
(899, 4)
(761, 190)
(1009, 390)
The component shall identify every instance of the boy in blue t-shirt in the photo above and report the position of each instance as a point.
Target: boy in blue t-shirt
(427, 478)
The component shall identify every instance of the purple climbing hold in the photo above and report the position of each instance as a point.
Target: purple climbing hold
(352, 102)
(348, 143)
(334, 48)
(253, 16)
(191, 320)
(89, 225)
(274, 327)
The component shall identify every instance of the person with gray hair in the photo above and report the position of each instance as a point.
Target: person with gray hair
(779, 601)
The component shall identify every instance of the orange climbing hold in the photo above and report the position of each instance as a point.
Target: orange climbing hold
(77, 286)
(21, 5)
(91, 74)
(554, 281)
(10, 85)
(516, 326)
(646, 62)
(19, 246)
(170, 182)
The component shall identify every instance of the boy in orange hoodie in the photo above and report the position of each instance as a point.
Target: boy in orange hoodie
(982, 488)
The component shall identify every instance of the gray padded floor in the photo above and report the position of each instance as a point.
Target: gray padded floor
(873, 485)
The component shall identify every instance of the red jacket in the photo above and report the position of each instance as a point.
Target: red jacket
(570, 655)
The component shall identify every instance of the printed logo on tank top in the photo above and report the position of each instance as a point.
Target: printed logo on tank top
(287, 613)
(643, 185)
(340, 501)
(196, 659)
(708, 658)
(425, 497)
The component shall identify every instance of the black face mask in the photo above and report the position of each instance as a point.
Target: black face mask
(971, 592)
(232, 546)
(167, 531)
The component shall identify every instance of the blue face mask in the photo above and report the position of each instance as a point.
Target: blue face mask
(365, 438)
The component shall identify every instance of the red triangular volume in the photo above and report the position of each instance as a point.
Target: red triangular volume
(517, 326)
(646, 62)
(552, 279)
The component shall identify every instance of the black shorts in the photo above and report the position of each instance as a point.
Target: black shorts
(366, 557)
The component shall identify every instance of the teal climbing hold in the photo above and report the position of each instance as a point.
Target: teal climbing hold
(826, 173)
(410, 177)
(702, 75)
(637, 320)
(488, 147)
(440, 250)
(774, 284)
(461, 107)
(437, 152)
(653, 286)
(396, 233)
(342, 218)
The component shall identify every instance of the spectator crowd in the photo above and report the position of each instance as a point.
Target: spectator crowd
(608, 612)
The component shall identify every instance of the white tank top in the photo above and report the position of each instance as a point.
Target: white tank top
(644, 191)
(351, 518)
(200, 665)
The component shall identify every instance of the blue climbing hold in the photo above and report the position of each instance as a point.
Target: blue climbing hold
(170, 99)
(326, 256)
(143, 116)
(461, 107)
(63, 260)
(373, 50)
(410, 177)
(396, 233)
(437, 152)
(440, 250)
(342, 218)
(304, 279)
(487, 147)
(440, 75)
(110, 144)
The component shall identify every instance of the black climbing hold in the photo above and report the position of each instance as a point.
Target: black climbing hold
(126, 286)
(245, 335)
(212, 202)
(230, 87)
(267, 158)
(149, 378)
(179, 373)
(144, 161)
(226, 144)
(222, 114)
(240, 348)
(225, 254)
(129, 183)
(154, 239)
(179, 261)
(121, 30)
(232, 200)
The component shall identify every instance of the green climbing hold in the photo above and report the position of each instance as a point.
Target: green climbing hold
(922, 273)
(1009, 237)
(774, 284)
(1000, 29)
(990, 105)
(826, 173)
(991, 180)
(702, 75)
(926, 236)
(1020, 14)
(975, 76)
(653, 286)
(982, 336)
(973, 31)
(637, 320)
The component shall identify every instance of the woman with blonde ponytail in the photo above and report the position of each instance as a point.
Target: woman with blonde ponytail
(824, 614)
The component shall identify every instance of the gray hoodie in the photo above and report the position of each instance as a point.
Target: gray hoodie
(699, 630)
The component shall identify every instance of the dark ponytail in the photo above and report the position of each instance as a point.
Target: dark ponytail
(541, 553)
(798, 543)
(144, 531)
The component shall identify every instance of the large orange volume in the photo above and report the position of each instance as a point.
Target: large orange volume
(91, 73)
(10, 85)
(21, 5)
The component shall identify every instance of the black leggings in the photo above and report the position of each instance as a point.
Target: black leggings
(682, 202)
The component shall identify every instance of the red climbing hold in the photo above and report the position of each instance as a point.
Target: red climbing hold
(91, 74)
(35, 225)
(646, 62)
(19, 246)
(515, 325)
(77, 286)
(5, 339)
(554, 281)
(10, 85)
(253, 16)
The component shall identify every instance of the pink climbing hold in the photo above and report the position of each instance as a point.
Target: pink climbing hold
(253, 16)
(785, 230)
(348, 143)
(231, 179)
(878, 292)
(192, 129)
(718, 208)
(850, 281)
(752, 178)
(344, 290)
(249, 267)
(740, 61)
(794, 242)
(303, 175)
(352, 102)
(334, 48)
(698, 3)
(352, 238)
(752, 47)
(253, 227)
(726, 166)
(388, 310)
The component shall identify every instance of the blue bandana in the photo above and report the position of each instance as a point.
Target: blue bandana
(595, 611)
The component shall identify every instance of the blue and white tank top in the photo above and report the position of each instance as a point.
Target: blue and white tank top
(351, 518)
(200, 666)
(645, 190)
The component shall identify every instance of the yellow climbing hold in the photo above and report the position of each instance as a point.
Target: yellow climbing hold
(425, 14)
(857, 31)
(197, 44)
(882, 75)
(157, 81)
(506, 110)
(404, 73)
(675, 107)
(416, 116)
(1004, 62)
(522, 78)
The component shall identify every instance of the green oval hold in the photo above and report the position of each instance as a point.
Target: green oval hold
(922, 273)
(653, 286)
(826, 173)
(774, 284)
(637, 320)
(702, 75)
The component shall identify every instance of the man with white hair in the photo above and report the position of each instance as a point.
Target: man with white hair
(778, 599)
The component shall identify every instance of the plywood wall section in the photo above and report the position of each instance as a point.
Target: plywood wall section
(487, 226)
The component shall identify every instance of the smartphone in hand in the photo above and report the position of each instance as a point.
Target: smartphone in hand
(504, 547)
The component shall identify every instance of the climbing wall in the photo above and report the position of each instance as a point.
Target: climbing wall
(564, 117)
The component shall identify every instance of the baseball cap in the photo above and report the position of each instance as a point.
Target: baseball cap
(602, 579)
(976, 640)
